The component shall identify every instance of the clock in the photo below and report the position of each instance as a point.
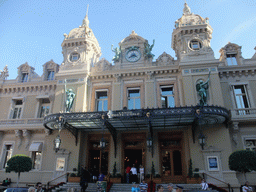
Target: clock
(133, 54)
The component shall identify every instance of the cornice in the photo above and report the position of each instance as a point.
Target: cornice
(238, 70)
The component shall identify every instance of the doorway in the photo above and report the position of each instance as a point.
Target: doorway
(98, 162)
(132, 156)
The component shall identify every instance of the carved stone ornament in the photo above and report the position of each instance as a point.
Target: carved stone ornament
(4, 74)
(102, 65)
(150, 75)
(18, 134)
(133, 37)
(27, 136)
(118, 77)
(165, 59)
(47, 132)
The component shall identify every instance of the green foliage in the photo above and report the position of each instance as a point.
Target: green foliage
(190, 171)
(242, 161)
(114, 170)
(153, 169)
(72, 175)
(19, 163)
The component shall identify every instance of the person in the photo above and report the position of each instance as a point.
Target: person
(135, 187)
(204, 185)
(39, 187)
(141, 173)
(85, 178)
(179, 188)
(246, 187)
(5, 182)
(101, 177)
(31, 189)
(170, 187)
(160, 188)
(143, 186)
(127, 171)
(134, 173)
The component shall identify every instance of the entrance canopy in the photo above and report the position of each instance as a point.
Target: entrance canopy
(139, 119)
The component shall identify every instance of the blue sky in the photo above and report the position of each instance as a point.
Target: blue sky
(32, 30)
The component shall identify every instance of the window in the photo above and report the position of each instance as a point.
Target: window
(195, 45)
(7, 154)
(167, 97)
(231, 59)
(44, 108)
(24, 77)
(17, 109)
(241, 96)
(74, 56)
(250, 144)
(36, 154)
(133, 98)
(101, 100)
(50, 76)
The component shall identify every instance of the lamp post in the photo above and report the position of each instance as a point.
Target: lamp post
(201, 139)
(57, 140)
(149, 143)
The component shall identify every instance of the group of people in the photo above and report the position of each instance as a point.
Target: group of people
(132, 174)
(37, 188)
(6, 182)
(143, 187)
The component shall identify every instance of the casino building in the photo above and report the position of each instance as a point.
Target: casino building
(138, 111)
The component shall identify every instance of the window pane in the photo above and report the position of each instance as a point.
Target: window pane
(24, 77)
(171, 102)
(105, 105)
(137, 103)
(99, 107)
(229, 61)
(130, 104)
(134, 93)
(15, 112)
(50, 75)
(234, 62)
(167, 91)
(164, 101)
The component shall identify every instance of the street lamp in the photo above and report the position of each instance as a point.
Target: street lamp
(201, 139)
(57, 142)
(149, 143)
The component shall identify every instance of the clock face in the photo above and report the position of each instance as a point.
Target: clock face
(133, 55)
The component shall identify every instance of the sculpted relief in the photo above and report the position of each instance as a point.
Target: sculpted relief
(165, 59)
(102, 65)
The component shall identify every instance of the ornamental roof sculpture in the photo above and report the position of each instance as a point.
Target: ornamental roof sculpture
(133, 37)
(189, 18)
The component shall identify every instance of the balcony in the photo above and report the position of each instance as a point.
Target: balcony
(243, 114)
(4, 123)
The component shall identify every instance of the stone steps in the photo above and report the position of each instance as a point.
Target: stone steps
(123, 187)
(117, 187)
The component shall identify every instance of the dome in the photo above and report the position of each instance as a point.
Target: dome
(189, 18)
(133, 37)
(77, 33)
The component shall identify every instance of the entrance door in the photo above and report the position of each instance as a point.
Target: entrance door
(171, 157)
(133, 156)
(171, 162)
(98, 162)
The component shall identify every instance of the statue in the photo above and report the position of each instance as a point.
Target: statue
(186, 10)
(117, 52)
(4, 74)
(148, 48)
(70, 97)
(202, 88)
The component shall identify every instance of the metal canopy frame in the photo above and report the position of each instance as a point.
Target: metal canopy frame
(139, 119)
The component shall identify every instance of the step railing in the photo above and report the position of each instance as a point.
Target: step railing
(230, 189)
(65, 175)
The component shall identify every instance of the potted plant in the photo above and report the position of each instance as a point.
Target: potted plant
(193, 178)
(147, 178)
(73, 178)
(115, 178)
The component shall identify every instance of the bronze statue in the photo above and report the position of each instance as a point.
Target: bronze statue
(202, 88)
(148, 48)
(70, 96)
(117, 52)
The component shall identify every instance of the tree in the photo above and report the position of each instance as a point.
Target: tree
(242, 161)
(19, 163)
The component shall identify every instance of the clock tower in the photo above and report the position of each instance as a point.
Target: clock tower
(80, 49)
(191, 37)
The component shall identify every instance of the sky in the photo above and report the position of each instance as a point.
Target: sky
(32, 30)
